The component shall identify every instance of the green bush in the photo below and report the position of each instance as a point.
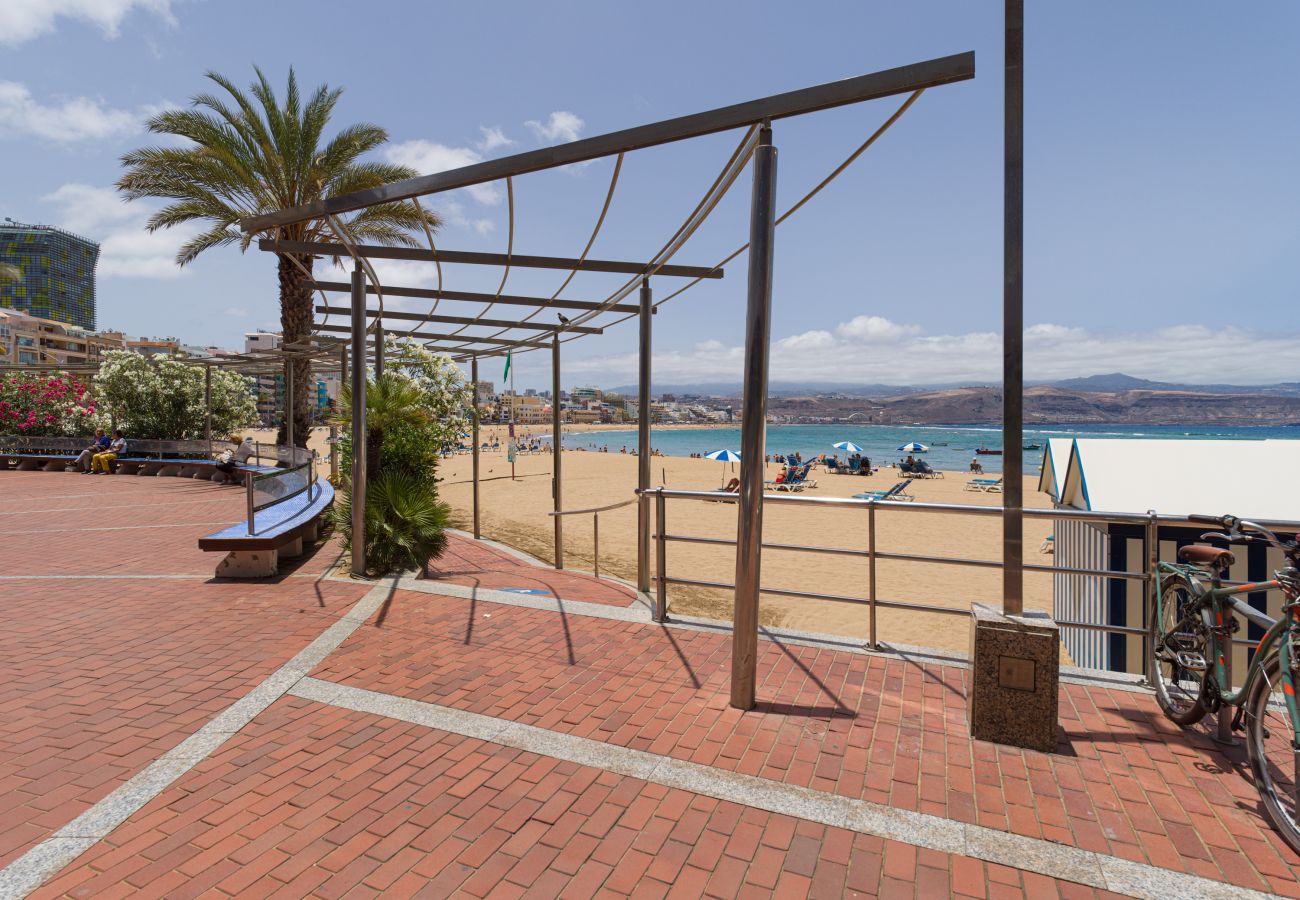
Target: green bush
(405, 522)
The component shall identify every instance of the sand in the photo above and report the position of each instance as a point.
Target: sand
(515, 512)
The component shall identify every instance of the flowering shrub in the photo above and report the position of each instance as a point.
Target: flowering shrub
(43, 405)
(163, 399)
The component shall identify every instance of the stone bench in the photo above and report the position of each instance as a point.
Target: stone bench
(280, 531)
(126, 465)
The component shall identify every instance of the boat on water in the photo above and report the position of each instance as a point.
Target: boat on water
(985, 451)
(1032, 447)
(938, 443)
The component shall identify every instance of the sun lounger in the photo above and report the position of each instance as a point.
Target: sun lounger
(894, 493)
(988, 485)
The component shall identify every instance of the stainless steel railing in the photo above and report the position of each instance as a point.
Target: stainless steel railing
(253, 480)
(1150, 523)
(595, 527)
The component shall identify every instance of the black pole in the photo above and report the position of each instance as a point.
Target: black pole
(358, 421)
(643, 445)
(1013, 315)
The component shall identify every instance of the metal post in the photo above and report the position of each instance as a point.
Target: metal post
(1013, 315)
(248, 491)
(1152, 530)
(643, 446)
(595, 544)
(473, 374)
(207, 406)
(358, 421)
(758, 327)
(661, 560)
(871, 573)
(379, 348)
(557, 451)
(334, 454)
(343, 364)
(288, 406)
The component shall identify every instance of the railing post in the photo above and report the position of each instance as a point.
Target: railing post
(661, 560)
(557, 451)
(595, 544)
(473, 374)
(248, 490)
(643, 444)
(1152, 529)
(871, 573)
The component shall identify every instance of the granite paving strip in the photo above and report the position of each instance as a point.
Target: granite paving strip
(44, 860)
(914, 828)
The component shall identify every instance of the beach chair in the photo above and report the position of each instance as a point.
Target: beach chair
(794, 480)
(897, 492)
(855, 466)
(988, 485)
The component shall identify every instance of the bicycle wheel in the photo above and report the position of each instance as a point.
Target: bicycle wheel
(1269, 739)
(1178, 688)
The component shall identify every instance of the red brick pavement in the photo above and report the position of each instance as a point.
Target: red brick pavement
(1123, 781)
(103, 676)
(473, 564)
(157, 522)
(314, 800)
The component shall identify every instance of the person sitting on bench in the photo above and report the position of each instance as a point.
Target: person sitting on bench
(99, 445)
(234, 457)
(103, 462)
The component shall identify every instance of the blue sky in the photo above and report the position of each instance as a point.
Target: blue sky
(1162, 176)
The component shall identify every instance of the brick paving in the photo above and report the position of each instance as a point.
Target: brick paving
(315, 800)
(473, 564)
(103, 676)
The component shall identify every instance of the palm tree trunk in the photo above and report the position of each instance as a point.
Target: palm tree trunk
(295, 325)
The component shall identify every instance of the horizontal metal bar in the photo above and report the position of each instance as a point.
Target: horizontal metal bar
(474, 297)
(597, 509)
(463, 320)
(902, 80)
(474, 258)
(1083, 515)
(455, 338)
(835, 598)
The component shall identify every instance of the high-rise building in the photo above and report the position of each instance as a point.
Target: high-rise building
(56, 273)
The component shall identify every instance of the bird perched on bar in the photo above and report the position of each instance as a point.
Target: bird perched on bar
(564, 320)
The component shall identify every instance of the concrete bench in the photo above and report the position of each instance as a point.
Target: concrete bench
(280, 531)
(33, 462)
(126, 465)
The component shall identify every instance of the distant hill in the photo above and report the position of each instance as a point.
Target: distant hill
(1117, 382)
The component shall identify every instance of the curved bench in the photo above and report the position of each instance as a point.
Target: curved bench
(280, 530)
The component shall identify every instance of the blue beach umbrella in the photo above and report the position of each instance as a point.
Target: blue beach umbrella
(847, 447)
(914, 447)
(724, 456)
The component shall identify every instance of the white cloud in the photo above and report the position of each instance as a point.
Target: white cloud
(856, 352)
(428, 157)
(559, 128)
(65, 121)
(23, 20)
(493, 138)
(126, 249)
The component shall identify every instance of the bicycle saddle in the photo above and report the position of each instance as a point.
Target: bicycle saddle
(1205, 555)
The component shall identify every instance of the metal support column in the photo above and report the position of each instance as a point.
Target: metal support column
(660, 613)
(358, 412)
(207, 406)
(1013, 315)
(379, 348)
(343, 363)
(289, 410)
(753, 426)
(643, 446)
(473, 374)
(557, 451)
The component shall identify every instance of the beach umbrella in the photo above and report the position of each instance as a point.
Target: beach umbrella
(847, 447)
(914, 447)
(725, 456)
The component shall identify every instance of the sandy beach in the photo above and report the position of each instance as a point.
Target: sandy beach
(515, 512)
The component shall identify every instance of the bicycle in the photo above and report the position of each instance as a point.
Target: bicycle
(1190, 635)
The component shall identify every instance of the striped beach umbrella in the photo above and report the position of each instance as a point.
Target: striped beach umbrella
(847, 447)
(914, 447)
(724, 456)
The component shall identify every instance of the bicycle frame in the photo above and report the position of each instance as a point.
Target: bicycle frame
(1215, 603)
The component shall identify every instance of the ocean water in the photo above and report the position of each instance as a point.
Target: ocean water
(951, 447)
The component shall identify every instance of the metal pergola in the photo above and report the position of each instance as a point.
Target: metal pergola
(755, 118)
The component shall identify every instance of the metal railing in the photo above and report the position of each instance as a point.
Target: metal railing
(278, 486)
(595, 527)
(1149, 522)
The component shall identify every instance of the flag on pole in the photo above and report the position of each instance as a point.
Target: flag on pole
(506, 373)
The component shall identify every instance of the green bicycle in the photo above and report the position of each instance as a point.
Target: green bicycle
(1190, 636)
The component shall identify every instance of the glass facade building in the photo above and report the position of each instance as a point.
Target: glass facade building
(56, 273)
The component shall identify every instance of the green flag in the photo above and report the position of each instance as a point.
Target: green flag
(506, 374)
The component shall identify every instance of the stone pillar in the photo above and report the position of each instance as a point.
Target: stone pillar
(1015, 673)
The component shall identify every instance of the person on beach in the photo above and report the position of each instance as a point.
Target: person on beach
(103, 462)
(98, 445)
(975, 466)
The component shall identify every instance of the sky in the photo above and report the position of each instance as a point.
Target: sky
(1162, 176)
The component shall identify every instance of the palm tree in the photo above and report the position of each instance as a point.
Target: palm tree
(391, 401)
(248, 155)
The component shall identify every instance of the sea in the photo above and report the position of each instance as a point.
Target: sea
(950, 447)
